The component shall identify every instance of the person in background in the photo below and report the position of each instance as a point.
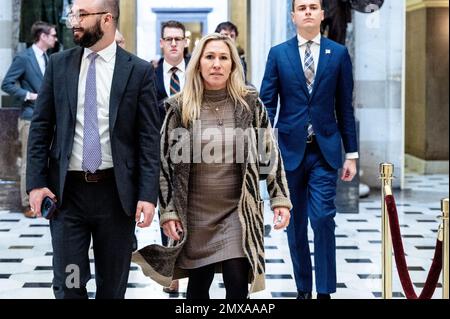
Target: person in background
(230, 30)
(312, 78)
(171, 68)
(23, 81)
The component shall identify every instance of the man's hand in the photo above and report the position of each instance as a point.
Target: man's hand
(173, 229)
(349, 170)
(281, 217)
(36, 198)
(148, 210)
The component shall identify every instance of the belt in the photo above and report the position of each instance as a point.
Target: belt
(92, 177)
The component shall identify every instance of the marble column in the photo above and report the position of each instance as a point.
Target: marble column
(427, 97)
(290, 27)
(265, 35)
(6, 26)
(9, 146)
(379, 98)
(128, 23)
(238, 14)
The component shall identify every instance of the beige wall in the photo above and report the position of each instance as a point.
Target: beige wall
(427, 97)
(238, 15)
(128, 23)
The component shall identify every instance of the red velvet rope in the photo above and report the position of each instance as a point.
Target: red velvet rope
(400, 259)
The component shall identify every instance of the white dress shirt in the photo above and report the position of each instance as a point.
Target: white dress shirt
(168, 74)
(39, 57)
(315, 51)
(104, 67)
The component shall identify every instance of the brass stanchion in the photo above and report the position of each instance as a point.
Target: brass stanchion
(445, 249)
(387, 174)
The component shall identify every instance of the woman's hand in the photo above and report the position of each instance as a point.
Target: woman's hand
(281, 217)
(173, 229)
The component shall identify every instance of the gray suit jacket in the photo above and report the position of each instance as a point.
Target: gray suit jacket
(24, 75)
(134, 126)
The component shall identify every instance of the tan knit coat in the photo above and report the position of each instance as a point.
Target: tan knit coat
(159, 262)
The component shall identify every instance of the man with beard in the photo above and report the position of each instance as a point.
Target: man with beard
(94, 150)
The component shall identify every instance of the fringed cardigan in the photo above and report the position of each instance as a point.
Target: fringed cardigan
(159, 262)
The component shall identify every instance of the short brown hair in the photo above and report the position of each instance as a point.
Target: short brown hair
(293, 5)
(113, 7)
(173, 24)
(39, 28)
(227, 26)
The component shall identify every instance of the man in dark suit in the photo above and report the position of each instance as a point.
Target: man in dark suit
(171, 69)
(23, 81)
(94, 148)
(312, 77)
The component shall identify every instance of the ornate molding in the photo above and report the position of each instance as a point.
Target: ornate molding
(127, 23)
(412, 5)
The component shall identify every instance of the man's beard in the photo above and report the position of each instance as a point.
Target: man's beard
(90, 36)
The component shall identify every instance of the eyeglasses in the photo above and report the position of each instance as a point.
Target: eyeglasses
(176, 39)
(78, 17)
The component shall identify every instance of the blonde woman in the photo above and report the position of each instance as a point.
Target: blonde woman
(209, 198)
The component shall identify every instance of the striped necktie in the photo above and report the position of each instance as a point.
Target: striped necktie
(309, 67)
(310, 77)
(174, 82)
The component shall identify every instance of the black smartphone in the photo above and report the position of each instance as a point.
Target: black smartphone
(48, 208)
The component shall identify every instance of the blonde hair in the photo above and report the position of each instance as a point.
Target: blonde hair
(191, 97)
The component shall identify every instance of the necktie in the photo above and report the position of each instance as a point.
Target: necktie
(174, 81)
(45, 59)
(310, 76)
(92, 153)
(309, 67)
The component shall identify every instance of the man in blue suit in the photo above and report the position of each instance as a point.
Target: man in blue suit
(23, 81)
(312, 77)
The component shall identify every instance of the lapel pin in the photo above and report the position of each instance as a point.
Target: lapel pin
(327, 51)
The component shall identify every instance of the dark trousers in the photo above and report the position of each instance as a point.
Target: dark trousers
(56, 230)
(313, 192)
(235, 278)
(91, 211)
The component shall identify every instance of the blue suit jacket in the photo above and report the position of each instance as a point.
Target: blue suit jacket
(25, 71)
(329, 107)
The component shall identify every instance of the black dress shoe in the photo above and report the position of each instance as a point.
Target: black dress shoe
(304, 295)
(323, 296)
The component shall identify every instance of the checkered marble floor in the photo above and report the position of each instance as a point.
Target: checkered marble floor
(26, 252)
